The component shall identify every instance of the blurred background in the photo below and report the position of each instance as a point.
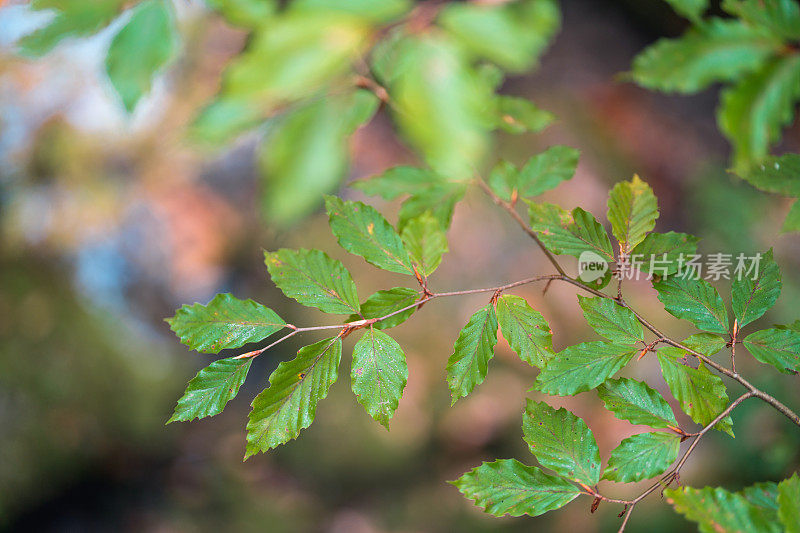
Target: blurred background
(110, 222)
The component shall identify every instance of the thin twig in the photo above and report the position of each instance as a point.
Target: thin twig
(524, 225)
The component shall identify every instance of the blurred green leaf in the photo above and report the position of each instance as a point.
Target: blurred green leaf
(289, 404)
(789, 503)
(632, 212)
(701, 394)
(251, 14)
(695, 300)
(211, 389)
(305, 154)
(569, 233)
(439, 101)
(507, 486)
(144, 45)
(691, 9)
(753, 297)
(469, 364)
(426, 242)
(642, 456)
(780, 175)
(226, 322)
(763, 494)
(637, 403)
(715, 510)
(562, 442)
(583, 367)
(73, 18)
(386, 302)
(511, 34)
(292, 57)
(719, 50)
(777, 347)
(525, 329)
(792, 221)
(519, 115)
(313, 279)
(362, 230)
(397, 181)
(610, 320)
(781, 17)
(377, 11)
(379, 374)
(752, 113)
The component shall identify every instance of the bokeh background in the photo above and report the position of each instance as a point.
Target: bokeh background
(109, 223)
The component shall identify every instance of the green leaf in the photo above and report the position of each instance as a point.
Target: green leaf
(715, 510)
(211, 389)
(439, 101)
(509, 487)
(753, 112)
(775, 174)
(504, 180)
(144, 45)
(707, 344)
(225, 322)
(691, 9)
(426, 242)
(762, 494)
(752, 297)
(518, 115)
(695, 300)
(385, 302)
(305, 153)
(73, 18)
(642, 457)
(546, 170)
(289, 404)
(468, 365)
(362, 230)
(293, 56)
(525, 329)
(569, 233)
(701, 394)
(439, 199)
(379, 374)
(780, 17)
(561, 442)
(637, 403)
(512, 35)
(663, 253)
(222, 120)
(249, 14)
(611, 320)
(719, 50)
(632, 212)
(792, 221)
(583, 367)
(313, 279)
(789, 503)
(398, 181)
(777, 347)
(375, 11)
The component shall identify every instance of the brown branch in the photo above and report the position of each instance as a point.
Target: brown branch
(674, 473)
(524, 225)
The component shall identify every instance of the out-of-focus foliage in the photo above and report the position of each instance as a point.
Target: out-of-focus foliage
(313, 71)
(755, 54)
